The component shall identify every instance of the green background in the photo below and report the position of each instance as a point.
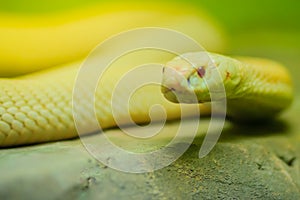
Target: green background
(235, 14)
(268, 28)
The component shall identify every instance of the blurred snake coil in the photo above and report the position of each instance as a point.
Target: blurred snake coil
(36, 103)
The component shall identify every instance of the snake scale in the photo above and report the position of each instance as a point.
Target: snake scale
(37, 107)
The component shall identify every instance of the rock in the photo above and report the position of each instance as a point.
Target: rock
(248, 162)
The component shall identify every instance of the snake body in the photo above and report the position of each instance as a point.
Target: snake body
(37, 107)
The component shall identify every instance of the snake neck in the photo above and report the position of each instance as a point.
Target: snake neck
(255, 88)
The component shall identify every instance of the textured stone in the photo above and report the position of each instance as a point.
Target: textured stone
(249, 161)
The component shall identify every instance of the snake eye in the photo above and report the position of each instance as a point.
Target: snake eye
(201, 71)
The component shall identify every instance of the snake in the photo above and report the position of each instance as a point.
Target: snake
(36, 106)
(256, 88)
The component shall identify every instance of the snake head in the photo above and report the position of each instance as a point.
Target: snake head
(195, 77)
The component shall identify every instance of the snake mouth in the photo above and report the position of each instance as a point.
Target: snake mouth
(176, 96)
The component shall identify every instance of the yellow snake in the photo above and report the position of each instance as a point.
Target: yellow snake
(256, 88)
(37, 107)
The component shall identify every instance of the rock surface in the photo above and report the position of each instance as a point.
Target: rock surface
(248, 162)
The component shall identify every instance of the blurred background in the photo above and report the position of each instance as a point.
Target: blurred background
(268, 28)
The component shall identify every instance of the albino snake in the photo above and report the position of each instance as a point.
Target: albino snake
(37, 107)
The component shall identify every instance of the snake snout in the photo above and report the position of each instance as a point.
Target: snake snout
(176, 87)
(173, 80)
